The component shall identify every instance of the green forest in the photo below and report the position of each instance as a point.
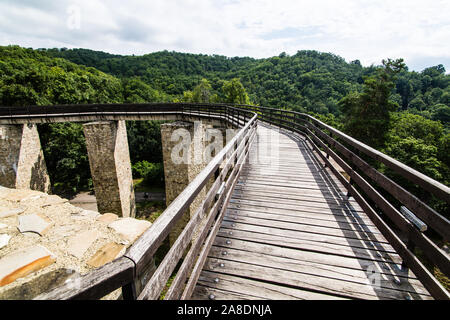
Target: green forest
(403, 113)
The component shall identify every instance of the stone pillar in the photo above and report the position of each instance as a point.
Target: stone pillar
(183, 147)
(109, 159)
(216, 139)
(22, 163)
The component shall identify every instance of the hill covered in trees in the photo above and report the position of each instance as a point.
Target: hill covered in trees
(412, 108)
(401, 113)
(307, 81)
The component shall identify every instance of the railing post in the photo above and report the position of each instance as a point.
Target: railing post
(280, 115)
(411, 247)
(129, 291)
(239, 116)
(328, 155)
(350, 182)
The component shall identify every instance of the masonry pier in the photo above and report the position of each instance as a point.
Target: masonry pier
(109, 160)
(22, 163)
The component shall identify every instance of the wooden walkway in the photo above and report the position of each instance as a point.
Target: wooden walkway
(290, 232)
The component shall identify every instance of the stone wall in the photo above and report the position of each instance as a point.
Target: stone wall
(205, 140)
(22, 163)
(45, 242)
(109, 160)
(183, 146)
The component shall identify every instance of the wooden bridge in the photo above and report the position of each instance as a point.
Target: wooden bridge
(308, 218)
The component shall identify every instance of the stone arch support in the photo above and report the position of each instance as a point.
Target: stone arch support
(109, 160)
(22, 163)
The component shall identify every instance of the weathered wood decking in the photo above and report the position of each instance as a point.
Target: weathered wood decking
(290, 232)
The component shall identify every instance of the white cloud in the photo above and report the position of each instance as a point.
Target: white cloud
(364, 30)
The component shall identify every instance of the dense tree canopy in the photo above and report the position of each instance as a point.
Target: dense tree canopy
(387, 112)
(404, 114)
(367, 114)
(306, 81)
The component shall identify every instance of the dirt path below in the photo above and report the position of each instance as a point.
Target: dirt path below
(87, 201)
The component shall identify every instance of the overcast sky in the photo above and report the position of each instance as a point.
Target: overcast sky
(368, 30)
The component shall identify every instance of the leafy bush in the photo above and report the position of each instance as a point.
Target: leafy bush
(152, 173)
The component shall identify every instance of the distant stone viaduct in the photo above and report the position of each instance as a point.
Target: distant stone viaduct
(22, 163)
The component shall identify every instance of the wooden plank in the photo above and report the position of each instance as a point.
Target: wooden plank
(286, 214)
(352, 231)
(332, 193)
(299, 179)
(158, 280)
(204, 293)
(251, 289)
(153, 288)
(360, 276)
(292, 193)
(329, 203)
(314, 221)
(248, 204)
(312, 242)
(290, 184)
(322, 177)
(335, 232)
(286, 182)
(430, 216)
(308, 282)
(393, 271)
(95, 284)
(298, 195)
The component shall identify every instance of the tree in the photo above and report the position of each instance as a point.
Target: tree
(202, 93)
(421, 144)
(66, 156)
(234, 92)
(137, 91)
(367, 114)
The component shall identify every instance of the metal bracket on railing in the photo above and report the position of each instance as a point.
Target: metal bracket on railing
(220, 190)
(413, 219)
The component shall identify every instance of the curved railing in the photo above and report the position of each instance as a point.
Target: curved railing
(409, 221)
(225, 167)
(405, 231)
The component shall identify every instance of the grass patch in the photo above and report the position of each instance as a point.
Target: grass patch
(150, 210)
(139, 186)
(442, 278)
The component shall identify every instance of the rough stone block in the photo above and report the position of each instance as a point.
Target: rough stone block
(105, 254)
(43, 283)
(5, 212)
(21, 263)
(4, 240)
(85, 214)
(79, 244)
(23, 195)
(108, 217)
(53, 200)
(129, 228)
(36, 223)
